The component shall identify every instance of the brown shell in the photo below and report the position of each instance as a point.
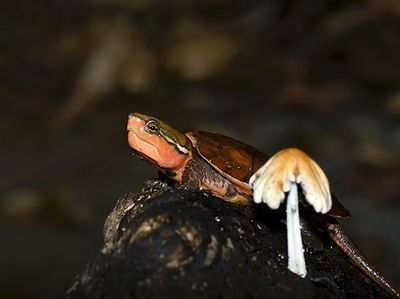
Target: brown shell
(238, 161)
(231, 157)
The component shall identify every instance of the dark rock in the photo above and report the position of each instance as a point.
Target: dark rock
(176, 243)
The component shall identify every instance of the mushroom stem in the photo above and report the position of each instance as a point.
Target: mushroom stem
(281, 174)
(296, 262)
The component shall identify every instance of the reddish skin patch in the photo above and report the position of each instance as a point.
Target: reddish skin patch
(156, 148)
(166, 156)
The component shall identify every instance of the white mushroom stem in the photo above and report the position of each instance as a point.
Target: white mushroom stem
(281, 174)
(296, 261)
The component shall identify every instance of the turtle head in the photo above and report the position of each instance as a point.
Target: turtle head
(158, 142)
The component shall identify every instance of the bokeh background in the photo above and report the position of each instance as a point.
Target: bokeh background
(323, 75)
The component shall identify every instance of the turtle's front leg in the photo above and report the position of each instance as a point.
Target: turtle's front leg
(341, 239)
(199, 175)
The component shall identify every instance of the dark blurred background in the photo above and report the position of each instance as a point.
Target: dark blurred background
(323, 75)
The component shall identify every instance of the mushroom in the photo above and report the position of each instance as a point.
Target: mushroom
(281, 174)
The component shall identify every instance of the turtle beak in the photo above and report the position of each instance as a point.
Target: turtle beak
(133, 120)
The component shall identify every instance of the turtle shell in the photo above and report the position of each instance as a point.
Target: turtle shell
(238, 161)
(235, 160)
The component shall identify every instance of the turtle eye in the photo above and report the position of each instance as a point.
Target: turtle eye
(152, 127)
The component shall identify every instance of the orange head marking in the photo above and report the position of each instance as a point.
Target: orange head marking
(159, 142)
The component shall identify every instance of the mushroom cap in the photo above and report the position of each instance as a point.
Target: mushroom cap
(291, 165)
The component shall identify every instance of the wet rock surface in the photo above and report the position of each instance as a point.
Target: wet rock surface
(175, 243)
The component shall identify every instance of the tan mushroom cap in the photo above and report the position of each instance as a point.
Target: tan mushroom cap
(288, 166)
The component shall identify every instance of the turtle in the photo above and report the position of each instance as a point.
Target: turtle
(223, 166)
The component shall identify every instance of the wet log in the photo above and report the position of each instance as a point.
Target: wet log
(174, 243)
